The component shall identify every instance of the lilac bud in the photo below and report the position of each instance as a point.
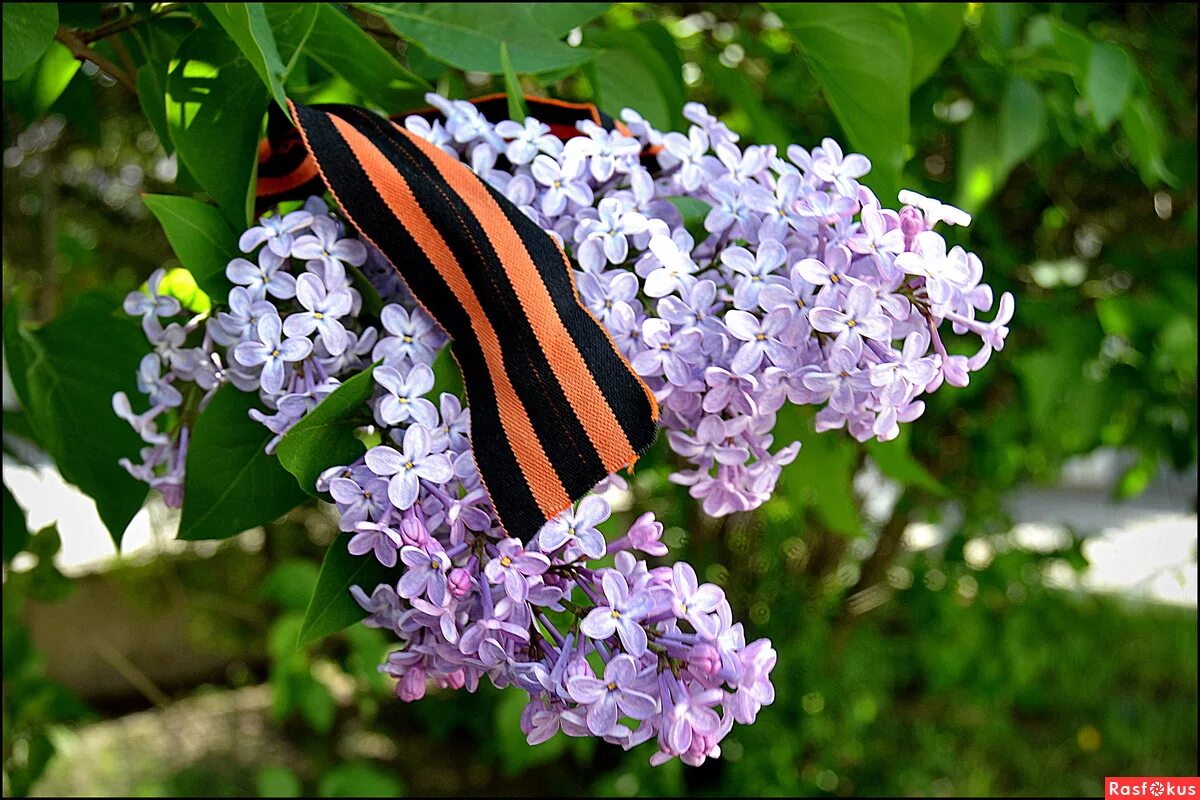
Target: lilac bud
(455, 680)
(704, 659)
(412, 686)
(646, 535)
(459, 581)
(580, 667)
(414, 532)
(911, 222)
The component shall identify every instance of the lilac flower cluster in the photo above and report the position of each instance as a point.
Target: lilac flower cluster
(289, 329)
(627, 653)
(803, 288)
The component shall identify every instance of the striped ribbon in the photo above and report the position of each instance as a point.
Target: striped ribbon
(554, 406)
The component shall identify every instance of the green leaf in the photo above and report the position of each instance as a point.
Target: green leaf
(66, 373)
(447, 376)
(469, 35)
(512, 86)
(1144, 132)
(343, 48)
(1108, 83)
(324, 437)
(246, 24)
(292, 25)
(152, 98)
(694, 212)
(359, 779)
(290, 585)
(16, 531)
(559, 19)
(744, 97)
(28, 30)
(181, 284)
(41, 85)
(861, 54)
(1022, 124)
(934, 29)
(215, 105)
(630, 72)
(1075, 47)
(896, 461)
(372, 303)
(278, 782)
(232, 484)
(332, 607)
(822, 476)
(1137, 477)
(992, 147)
(201, 238)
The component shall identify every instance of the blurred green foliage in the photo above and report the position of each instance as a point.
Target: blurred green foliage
(1068, 130)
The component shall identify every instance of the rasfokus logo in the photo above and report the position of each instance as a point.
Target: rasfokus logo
(1151, 787)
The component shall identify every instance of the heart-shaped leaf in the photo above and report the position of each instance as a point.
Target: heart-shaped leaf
(232, 483)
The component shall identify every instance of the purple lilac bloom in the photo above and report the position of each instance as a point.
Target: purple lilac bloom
(272, 353)
(725, 329)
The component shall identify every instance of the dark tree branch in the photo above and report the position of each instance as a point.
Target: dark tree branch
(124, 24)
(85, 53)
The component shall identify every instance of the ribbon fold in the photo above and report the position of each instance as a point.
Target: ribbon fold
(555, 407)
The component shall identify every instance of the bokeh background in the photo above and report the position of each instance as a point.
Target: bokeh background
(1003, 603)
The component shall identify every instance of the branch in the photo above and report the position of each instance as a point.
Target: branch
(124, 24)
(85, 53)
(871, 589)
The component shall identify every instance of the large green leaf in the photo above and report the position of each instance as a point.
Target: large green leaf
(993, 145)
(200, 237)
(512, 86)
(1022, 123)
(1144, 132)
(822, 477)
(215, 105)
(232, 484)
(343, 48)
(630, 72)
(332, 607)
(65, 374)
(247, 25)
(292, 24)
(469, 35)
(896, 461)
(1108, 83)
(934, 29)
(28, 30)
(861, 54)
(325, 437)
(742, 95)
(42, 84)
(152, 99)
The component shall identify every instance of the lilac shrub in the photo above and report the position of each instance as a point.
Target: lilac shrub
(802, 288)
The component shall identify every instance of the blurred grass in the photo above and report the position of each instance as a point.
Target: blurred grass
(966, 683)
